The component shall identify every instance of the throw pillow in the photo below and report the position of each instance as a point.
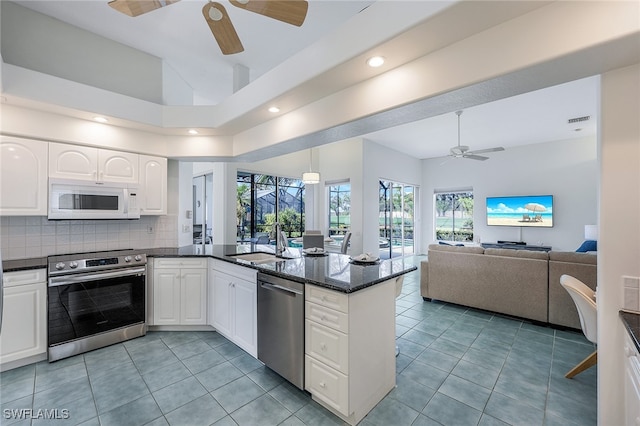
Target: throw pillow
(588, 245)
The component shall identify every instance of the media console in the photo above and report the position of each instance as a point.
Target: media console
(516, 246)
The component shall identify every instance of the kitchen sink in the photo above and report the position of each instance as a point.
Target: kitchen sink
(258, 257)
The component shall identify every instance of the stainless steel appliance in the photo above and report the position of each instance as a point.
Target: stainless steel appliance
(71, 199)
(281, 327)
(95, 300)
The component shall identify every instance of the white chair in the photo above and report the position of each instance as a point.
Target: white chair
(584, 298)
(312, 240)
(345, 243)
(399, 281)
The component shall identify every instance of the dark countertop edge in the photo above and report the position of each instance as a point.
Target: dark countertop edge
(633, 330)
(331, 286)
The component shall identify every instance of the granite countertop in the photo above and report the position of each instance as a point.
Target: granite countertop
(333, 270)
(631, 322)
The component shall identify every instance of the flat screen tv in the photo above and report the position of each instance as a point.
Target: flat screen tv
(523, 210)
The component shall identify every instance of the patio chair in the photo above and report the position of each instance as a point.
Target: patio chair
(345, 243)
(313, 240)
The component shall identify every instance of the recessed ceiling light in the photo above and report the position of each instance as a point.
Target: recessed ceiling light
(192, 132)
(375, 61)
(274, 109)
(100, 119)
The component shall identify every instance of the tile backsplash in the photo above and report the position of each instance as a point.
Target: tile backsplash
(35, 236)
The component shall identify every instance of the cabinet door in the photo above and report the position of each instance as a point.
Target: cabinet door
(23, 177)
(221, 320)
(166, 297)
(73, 162)
(193, 298)
(631, 384)
(152, 193)
(245, 312)
(115, 166)
(24, 322)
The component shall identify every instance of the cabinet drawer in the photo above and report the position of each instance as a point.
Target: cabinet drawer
(327, 317)
(330, 299)
(327, 346)
(32, 276)
(328, 385)
(180, 262)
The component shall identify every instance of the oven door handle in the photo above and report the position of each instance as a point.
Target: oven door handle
(75, 279)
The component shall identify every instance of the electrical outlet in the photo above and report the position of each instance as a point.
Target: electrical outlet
(149, 229)
(186, 228)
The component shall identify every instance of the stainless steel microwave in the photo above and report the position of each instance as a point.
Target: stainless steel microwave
(72, 199)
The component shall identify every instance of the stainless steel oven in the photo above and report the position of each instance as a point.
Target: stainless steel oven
(95, 300)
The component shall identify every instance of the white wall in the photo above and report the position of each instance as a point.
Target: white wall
(568, 170)
(41, 43)
(619, 243)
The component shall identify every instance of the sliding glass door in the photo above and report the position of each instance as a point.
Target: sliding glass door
(396, 219)
(202, 212)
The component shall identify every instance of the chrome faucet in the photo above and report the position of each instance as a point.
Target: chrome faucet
(280, 241)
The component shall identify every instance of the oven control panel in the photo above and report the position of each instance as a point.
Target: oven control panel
(85, 263)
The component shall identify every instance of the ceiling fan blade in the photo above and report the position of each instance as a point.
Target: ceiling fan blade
(135, 8)
(222, 28)
(484, 151)
(475, 157)
(292, 12)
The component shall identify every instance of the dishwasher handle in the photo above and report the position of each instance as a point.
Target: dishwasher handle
(276, 287)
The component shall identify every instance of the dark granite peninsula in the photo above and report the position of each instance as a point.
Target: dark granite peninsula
(332, 270)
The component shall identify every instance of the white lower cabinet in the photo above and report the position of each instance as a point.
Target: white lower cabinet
(24, 318)
(180, 291)
(233, 307)
(350, 348)
(631, 383)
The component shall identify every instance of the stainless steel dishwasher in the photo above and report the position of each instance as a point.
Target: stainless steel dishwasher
(281, 327)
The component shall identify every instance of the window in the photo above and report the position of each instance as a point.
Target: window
(454, 216)
(339, 208)
(263, 200)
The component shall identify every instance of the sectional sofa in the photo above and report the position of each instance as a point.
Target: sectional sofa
(518, 283)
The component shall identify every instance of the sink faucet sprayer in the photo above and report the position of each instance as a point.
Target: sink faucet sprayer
(280, 239)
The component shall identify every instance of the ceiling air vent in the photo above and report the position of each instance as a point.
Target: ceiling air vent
(578, 119)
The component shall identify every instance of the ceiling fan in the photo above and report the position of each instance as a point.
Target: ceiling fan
(292, 12)
(462, 151)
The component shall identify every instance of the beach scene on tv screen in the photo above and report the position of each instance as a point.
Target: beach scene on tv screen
(535, 210)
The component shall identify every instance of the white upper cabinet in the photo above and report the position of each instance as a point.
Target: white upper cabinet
(23, 177)
(92, 164)
(152, 196)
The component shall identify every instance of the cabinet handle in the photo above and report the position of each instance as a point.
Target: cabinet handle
(323, 317)
(323, 346)
(322, 385)
(178, 276)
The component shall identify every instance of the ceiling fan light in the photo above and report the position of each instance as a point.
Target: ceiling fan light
(215, 14)
(311, 178)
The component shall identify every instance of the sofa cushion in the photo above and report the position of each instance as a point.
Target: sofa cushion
(573, 257)
(522, 254)
(457, 249)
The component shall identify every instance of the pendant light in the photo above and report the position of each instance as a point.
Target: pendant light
(310, 177)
